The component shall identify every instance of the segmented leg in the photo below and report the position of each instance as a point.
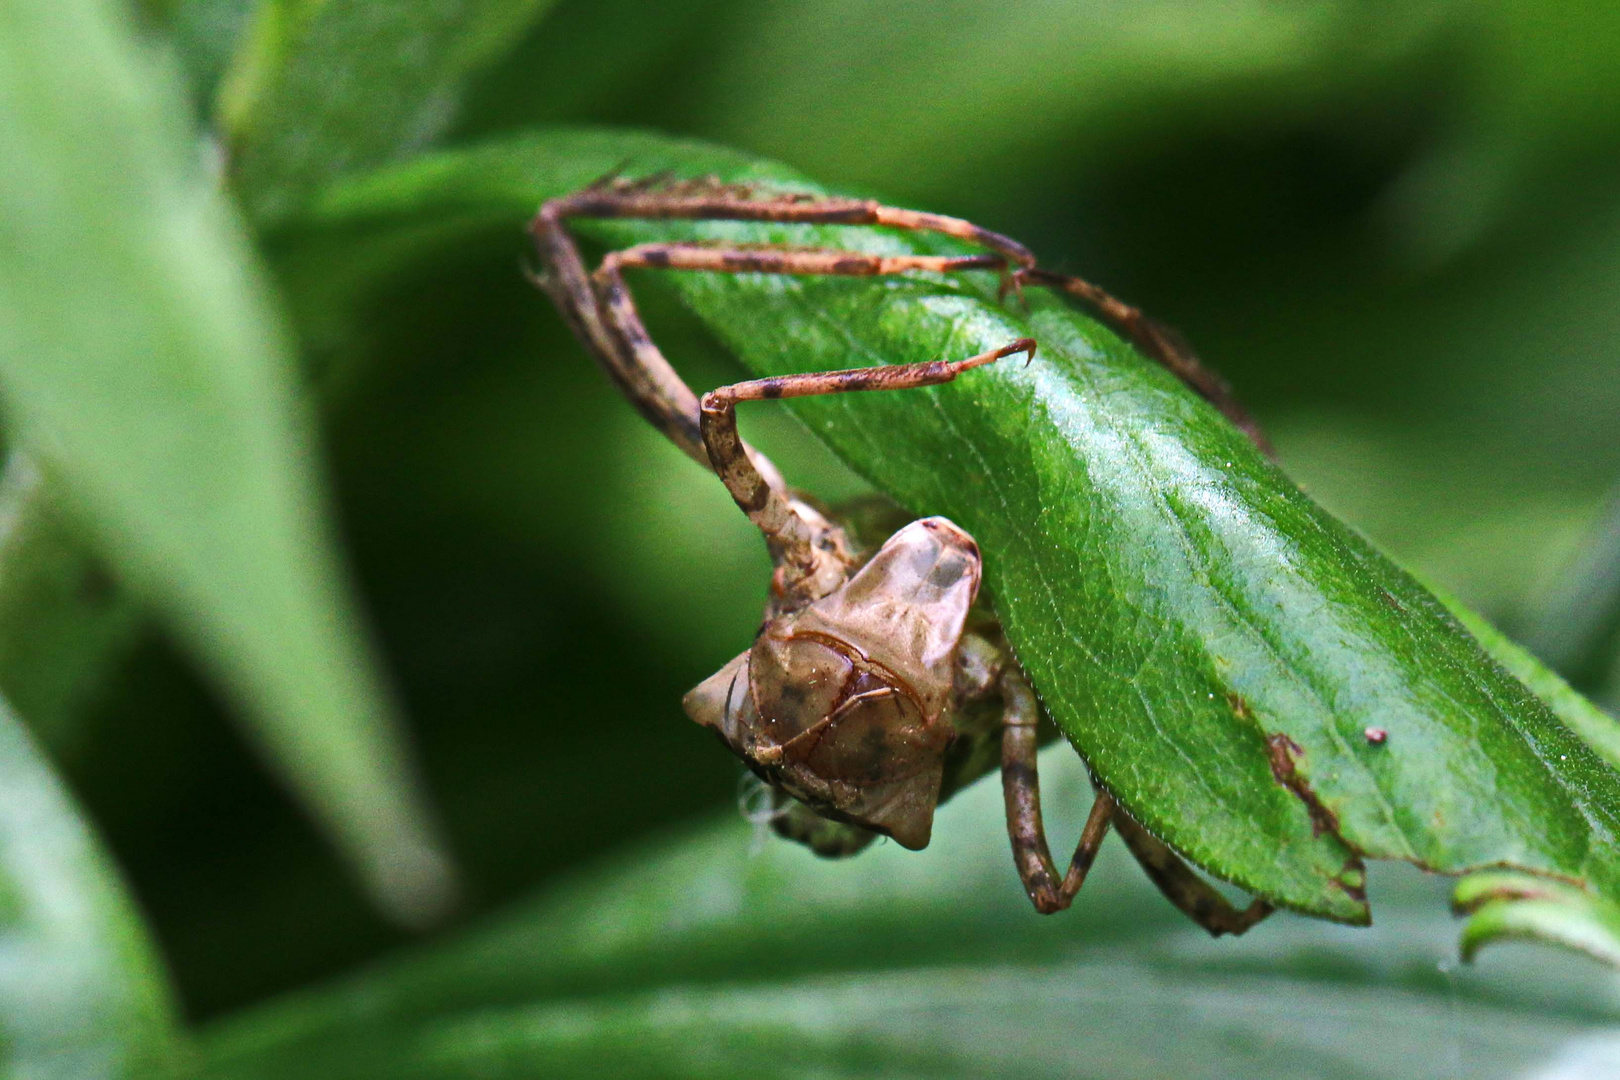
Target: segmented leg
(640, 370)
(602, 314)
(1021, 788)
(1196, 898)
(617, 309)
(709, 199)
(786, 531)
(641, 374)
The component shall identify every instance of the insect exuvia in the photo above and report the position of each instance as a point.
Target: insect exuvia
(878, 684)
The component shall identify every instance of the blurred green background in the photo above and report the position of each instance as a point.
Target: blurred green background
(1395, 228)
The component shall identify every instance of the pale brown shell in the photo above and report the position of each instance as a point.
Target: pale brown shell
(842, 703)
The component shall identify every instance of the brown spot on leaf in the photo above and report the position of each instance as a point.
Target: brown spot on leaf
(1285, 754)
(1239, 707)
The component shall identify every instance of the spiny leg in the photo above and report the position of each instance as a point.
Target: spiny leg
(644, 377)
(708, 198)
(1021, 788)
(1155, 341)
(779, 259)
(618, 317)
(603, 316)
(660, 198)
(767, 506)
(605, 320)
(1196, 898)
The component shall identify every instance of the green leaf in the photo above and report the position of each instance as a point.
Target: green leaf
(1595, 727)
(1577, 629)
(325, 87)
(1503, 906)
(706, 957)
(1214, 644)
(142, 364)
(207, 36)
(82, 995)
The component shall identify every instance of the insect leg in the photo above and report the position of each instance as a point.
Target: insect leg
(727, 259)
(646, 375)
(709, 198)
(1196, 898)
(642, 376)
(1021, 788)
(604, 318)
(767, 506)
(602, 314)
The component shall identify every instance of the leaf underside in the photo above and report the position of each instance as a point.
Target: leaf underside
(1213, 643)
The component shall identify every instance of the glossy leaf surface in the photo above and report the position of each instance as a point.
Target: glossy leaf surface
(1213, 643)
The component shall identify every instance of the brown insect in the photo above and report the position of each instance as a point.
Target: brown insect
(878, 684)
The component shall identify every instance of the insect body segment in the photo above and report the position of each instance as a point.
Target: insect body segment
(845, 699)
(877, 684)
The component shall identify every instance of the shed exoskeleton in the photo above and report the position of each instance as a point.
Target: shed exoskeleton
(876, 686)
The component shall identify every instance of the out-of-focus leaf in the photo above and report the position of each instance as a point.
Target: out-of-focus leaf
(1505, 97)
(704, 957)
(207, 36)
(82, 995)
(143, 365)
(325, 87)
(1538, 96)
(1577, 630)
(63, 622)
(1504, 906)
(1213, 643)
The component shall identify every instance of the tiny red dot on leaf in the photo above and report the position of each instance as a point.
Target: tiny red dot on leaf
(1376, 735)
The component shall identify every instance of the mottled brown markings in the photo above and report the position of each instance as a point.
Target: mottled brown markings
(859, 660)
(1284, 754)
